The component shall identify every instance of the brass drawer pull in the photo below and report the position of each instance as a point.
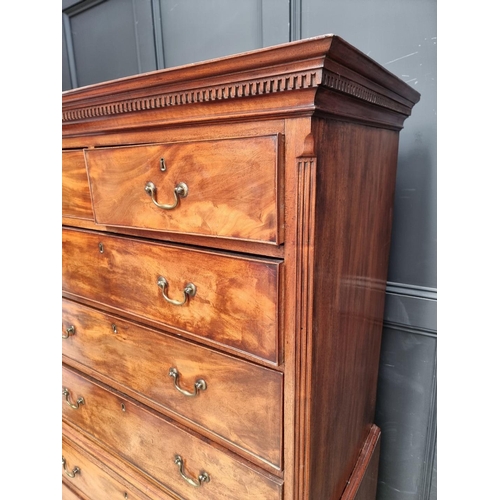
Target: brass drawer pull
(69, 331)
(199, 385)
(71, 474)
(202, 478)
(180, 191)
(79, 401)
(189, 291)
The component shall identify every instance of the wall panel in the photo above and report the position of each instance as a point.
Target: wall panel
(109, 39)
(196, 30)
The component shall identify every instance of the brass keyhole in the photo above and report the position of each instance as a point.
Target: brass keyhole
(163, 167)
(101, 247)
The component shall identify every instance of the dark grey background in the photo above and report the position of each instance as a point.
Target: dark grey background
(106, 39)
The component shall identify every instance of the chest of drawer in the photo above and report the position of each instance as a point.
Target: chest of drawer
(233, 300)
(223, 395)
(225, 188)
(182, 462)
(76, 200)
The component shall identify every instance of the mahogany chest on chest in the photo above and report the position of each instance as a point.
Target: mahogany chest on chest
(225, 232)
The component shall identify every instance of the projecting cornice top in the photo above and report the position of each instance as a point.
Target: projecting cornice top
(309, 76)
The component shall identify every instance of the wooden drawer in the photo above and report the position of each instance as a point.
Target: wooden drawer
(76, 200)
(152, 443)
(91, 479)
(236, 299)
(238, 396)
(232, 187)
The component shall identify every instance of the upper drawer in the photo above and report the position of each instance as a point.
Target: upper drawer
(223, 188)
(211, 297)
(75, 186)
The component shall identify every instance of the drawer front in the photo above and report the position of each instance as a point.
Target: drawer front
(233, 397)
(91, 479)
(68, 494)
(236, 298)
(231, 187)
(161, 449)
(76, 200)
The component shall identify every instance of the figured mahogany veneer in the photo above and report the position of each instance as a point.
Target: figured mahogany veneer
(75, 186)
(151, 443)
(231, 187)
(239, 396)
(288, 155)
(91, 480)
(236, 300)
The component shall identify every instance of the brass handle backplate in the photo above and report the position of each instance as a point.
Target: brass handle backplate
(189, 291)
(202, 478)
(199, 385)
(72, 473)
(180, 191)
(79, 401)
(69, 331)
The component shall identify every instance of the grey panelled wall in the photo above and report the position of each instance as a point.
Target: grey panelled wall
(246, 25)
(105, 39)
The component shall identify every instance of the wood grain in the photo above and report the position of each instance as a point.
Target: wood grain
(232, 245)
(113, 466)
(232, 187)
(236, 301)
(69, 494)
(76, 200)
(362, 484)
(240, 396)
(356, 181)
(92, 480)
(151, 443)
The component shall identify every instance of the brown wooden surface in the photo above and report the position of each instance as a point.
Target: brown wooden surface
(92, 480)
(232, 187)
(232, 245)
(114, 466)
(362, 483)
(151, 443)
(236, 301)
(276, 81)
(69, 494)
(240, 396)
(76, 200)
(356, 181)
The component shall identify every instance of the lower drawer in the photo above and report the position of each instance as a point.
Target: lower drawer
(237, 396)
(190, 467)
(88, 478)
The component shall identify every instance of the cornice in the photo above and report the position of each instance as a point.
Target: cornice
(208, 93)
(345, 86)
(236, 90)
(322, 63)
